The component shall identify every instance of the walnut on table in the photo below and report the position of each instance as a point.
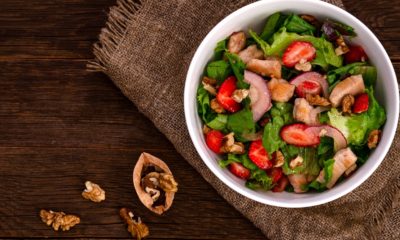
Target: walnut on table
(93, 192)
(59, 219)
(135, 225)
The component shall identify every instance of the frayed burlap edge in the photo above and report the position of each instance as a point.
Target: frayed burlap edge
(112, 34)
(122, 14)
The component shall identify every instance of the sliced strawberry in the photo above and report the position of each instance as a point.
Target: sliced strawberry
(308, 87)
(311, 83)
(296, 134)
(224, 95)
(214, 140)
(361, 103)
(297, 51)
(275, 174)
(239, 170)
(259, 156)
(355, 54)
(281, 184)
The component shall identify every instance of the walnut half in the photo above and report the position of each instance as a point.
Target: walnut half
(93, 192)
(316, 100)
(154, 183)
(347, 103)
(135, 225)
(373, 138)
(59, 219)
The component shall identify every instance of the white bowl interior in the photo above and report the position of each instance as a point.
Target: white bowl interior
(253, 17)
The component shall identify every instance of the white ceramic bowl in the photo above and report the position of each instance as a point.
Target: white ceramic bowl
(253, 16)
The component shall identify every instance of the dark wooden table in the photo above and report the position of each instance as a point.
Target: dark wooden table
(61, 125)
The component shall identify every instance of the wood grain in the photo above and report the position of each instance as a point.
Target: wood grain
(61, 125)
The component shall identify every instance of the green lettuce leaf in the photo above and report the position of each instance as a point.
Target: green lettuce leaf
(203, 105)
(325, 150)
(260, 42)
(310, 164)
(356, 128)
(241, 122)
(325, 51)
(258, 178)
(369, 73)
(218, 70)
(282, 114)
(238, 67)
(223, 163)
(328, 169)
(273, 23)
(219, 122)
(296, 24)
(328, 172)
(209, 117)
(220, 49)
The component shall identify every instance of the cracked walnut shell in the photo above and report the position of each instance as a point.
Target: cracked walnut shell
(135, 225)
(93, 192)
(59, 219)
(154, 183)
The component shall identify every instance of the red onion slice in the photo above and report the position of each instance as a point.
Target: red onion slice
(259, 95)
(327, 130)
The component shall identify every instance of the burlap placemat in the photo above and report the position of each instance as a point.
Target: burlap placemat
(146, 49)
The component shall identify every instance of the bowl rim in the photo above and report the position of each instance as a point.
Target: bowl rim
(192, 128)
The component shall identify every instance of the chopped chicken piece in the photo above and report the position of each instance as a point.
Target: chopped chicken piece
(304, 112)
(237, 41)
(281, 90)
(350, 170)
(298, 181)
(268, 67)
(251, 52)
(344, 159)
(352, 85)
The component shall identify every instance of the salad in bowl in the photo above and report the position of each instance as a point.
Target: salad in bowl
(292, 107)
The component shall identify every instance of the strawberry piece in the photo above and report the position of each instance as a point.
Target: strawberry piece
(361, 103)
(275, 174)
(281, 184)
(296, 134)
(355, 54)
(239, 170)
(224, 95)
(308, 87)
(259, 156)
(214, 140)
(297, 51)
